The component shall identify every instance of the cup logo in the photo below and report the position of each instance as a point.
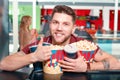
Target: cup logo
(51, 66)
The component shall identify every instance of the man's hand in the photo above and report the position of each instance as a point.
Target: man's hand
(74, 65)
(42, 53)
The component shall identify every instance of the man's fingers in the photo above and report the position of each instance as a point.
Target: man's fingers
(69, 59)
(66, 63)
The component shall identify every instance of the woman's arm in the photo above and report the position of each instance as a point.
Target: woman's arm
(21, 39)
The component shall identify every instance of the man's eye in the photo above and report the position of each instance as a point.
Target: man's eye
(66, 24)
(54, 22)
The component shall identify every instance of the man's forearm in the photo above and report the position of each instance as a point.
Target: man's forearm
(104, 61)
(96, 66)
(105, 65)
(16, 61)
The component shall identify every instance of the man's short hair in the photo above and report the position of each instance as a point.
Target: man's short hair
(64, 9)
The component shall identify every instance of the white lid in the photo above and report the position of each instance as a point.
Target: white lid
(70, 48)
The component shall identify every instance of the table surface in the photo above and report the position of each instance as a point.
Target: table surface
(24, 74)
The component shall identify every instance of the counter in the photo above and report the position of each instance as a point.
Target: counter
(92, 75)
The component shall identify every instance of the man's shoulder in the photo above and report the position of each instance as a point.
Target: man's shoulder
(47, 39)
(75, 38)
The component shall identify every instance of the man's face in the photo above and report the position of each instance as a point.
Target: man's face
(61, 27)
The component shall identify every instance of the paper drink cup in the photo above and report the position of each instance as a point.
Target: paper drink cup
(51, 66)
(71, 51)
(38, 65)
(33, 48)
(46, 44)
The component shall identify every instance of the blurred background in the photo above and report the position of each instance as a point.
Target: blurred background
(4, 34)
(99, 18)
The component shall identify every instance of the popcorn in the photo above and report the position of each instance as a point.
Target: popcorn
(84, 45)
(87, 49)
(52, 69)
(56, 47)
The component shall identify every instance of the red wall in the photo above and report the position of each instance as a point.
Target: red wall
(111, 21)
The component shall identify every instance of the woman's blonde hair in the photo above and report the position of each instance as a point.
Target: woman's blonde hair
(25, 21)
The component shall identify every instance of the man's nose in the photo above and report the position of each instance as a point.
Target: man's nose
(59, 27)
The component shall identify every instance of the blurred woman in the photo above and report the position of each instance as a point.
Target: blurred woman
(25, 34)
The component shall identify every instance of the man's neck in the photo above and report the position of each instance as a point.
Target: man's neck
(61, 44)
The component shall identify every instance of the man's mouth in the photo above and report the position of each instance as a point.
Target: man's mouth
(58, 34)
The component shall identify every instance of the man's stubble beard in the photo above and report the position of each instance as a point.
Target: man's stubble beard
(61, 43)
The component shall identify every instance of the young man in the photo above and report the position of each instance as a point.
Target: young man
(61, 28)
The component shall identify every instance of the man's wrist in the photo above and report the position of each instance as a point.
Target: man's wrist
(106, 64)
(33, 58)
